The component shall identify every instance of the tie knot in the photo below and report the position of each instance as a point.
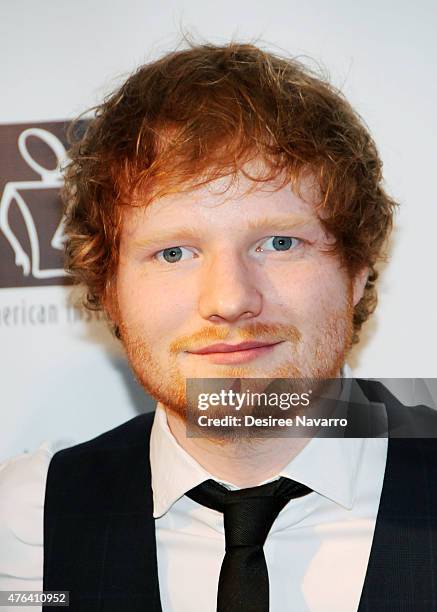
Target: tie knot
(248, 521)
(248, 513)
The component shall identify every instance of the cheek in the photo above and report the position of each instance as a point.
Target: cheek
(154, 306)
(312, 292)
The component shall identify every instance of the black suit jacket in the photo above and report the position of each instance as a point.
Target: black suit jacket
(99, 530)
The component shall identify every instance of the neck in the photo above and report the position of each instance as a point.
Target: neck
(244, 463)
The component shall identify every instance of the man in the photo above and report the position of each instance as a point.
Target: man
(225, 209)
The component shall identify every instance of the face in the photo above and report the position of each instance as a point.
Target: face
(207, 267)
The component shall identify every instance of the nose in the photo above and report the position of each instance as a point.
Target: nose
(228, 290)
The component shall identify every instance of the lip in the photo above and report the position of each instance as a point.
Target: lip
(230, 348)
(237, 353)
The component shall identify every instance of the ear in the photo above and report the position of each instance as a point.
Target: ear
(359, 284)
(109, 301)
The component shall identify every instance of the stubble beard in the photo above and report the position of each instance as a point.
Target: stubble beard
(318, 360)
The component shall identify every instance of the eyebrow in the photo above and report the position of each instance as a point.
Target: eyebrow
(184, 232)
(281, 223)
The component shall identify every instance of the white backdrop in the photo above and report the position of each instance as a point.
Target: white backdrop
(68, 378)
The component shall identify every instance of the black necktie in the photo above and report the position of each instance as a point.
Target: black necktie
(248, 517)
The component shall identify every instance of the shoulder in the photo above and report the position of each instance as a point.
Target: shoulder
(403, 421)
(99, 467)
(120, 439)
(22, 486)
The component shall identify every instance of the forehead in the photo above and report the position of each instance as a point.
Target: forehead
(226, 203)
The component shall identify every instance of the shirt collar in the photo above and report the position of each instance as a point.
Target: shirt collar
(329, 466)
(174, 471)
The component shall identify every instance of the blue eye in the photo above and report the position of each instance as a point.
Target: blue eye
(171, 254)
(279, 243)
(282, 243)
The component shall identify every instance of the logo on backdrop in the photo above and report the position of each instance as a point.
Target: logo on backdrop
(31, 223)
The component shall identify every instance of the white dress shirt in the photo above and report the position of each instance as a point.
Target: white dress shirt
(316, 552)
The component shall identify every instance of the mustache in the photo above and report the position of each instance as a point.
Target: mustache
(264, 332)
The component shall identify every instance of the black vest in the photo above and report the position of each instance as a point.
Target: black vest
(99, 530)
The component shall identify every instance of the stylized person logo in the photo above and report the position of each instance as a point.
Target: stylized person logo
(13, 192)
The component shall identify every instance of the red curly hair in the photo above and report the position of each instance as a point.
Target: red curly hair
(202, 113)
